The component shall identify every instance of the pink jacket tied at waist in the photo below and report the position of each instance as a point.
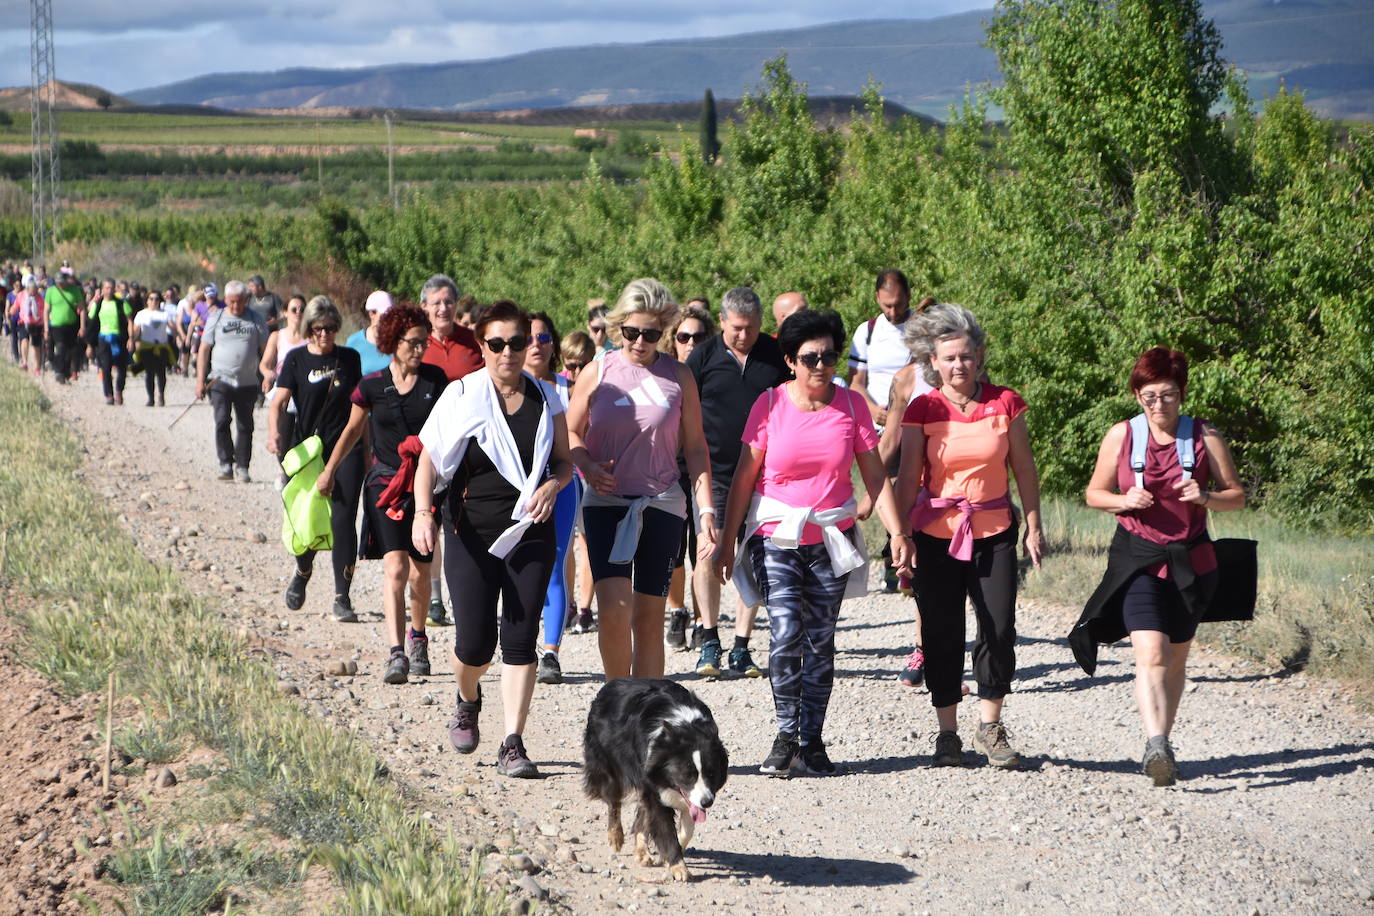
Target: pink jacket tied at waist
(929, 508)
(403, 481)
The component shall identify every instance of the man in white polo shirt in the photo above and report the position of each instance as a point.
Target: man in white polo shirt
(878, 349)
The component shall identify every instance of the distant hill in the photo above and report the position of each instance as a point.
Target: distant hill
(69, 95)
(1324, 47)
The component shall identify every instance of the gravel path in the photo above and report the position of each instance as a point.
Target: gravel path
(1274, 812)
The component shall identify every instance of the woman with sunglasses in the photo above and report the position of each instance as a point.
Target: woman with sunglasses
(499, 441)
(280, 342)
(792, 493)
(631, 411)
(1156, 594)
(394, 403)
(319, 378)
(541, 359)
(152, 352)
(693, 327)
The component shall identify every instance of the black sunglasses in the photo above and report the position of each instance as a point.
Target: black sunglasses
(811, 360)
(516, 343)
(650, 335)
(574, 367)
(683, 337)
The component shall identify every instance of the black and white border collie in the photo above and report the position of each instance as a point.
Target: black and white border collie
(654, 742)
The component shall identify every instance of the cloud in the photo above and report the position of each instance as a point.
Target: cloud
(161, 41)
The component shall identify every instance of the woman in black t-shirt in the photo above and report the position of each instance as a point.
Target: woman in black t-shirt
(500, 437)
(395, 403)
(320, 377)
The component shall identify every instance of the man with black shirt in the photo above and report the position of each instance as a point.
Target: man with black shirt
(731, 370)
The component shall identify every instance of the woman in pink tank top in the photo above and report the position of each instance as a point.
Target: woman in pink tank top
(1159, 590)
(629, 414)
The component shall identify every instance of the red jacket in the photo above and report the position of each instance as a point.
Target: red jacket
(458, 355)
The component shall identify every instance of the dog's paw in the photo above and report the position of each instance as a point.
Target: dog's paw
(616, 837)
(678, 872)
(642, 854)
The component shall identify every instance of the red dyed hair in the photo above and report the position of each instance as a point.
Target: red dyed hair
(395, 322)
(1160, 364)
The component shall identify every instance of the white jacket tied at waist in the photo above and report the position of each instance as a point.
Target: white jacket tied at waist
(845, 555)
(472, 413)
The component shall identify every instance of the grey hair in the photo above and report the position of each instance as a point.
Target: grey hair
(647, 296)
(945, 321)
(235, 288)
(439, 281)
(742, 301)
(320, 307)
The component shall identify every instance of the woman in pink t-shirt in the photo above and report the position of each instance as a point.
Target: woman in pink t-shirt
(793, 479)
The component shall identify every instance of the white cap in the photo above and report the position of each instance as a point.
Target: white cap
(379, 301)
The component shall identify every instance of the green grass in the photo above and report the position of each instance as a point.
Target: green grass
(105, 608)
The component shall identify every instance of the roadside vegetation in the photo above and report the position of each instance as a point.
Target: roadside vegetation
(286, 794)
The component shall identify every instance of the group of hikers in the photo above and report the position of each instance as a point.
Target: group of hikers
(492, 455)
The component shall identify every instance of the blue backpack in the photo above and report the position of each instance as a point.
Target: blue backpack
(1183, 442)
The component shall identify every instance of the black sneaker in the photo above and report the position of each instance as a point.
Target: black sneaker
(779, 760)
(1159, 763)
(915, 670)
(814, 760)
(742, 663)
(419, 654)
(694, 642)
(676, 637)
(708, 665)
(550, 672)
(949, 750)
(437, 614)
(463, 733)
(343, 609)
(397, 669)
(295, 592)
(991, 740)
(511, 759)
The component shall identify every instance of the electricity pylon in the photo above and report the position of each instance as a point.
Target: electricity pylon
(46, 169)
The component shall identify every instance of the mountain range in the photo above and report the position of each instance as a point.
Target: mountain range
(1324, 48)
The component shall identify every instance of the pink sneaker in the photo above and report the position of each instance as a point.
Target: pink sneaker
(914, 674)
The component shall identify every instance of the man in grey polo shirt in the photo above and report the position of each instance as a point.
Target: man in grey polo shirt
(227, 367)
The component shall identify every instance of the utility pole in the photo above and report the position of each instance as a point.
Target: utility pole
(390, 164)
(319, 157)
(45, 170)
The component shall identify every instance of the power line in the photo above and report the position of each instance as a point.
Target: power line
(46, 170)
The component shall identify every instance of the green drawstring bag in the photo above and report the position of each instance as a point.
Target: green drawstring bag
(306, 512)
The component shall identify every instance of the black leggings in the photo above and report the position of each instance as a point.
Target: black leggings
(108, 361)
(343, 521)
(154, 370)
(476, 580)
(942, 584)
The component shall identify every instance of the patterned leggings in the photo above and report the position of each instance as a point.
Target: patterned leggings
(803, 596)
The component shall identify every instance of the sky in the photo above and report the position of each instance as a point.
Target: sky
(137, 44)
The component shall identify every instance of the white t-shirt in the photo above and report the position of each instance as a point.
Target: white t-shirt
(152, 326)
(882, 356)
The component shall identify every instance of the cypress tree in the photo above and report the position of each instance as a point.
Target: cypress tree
(710, 142)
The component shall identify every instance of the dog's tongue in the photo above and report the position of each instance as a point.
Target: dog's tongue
(698, 814)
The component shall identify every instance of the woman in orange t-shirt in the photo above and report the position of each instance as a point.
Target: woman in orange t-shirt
(958, 442)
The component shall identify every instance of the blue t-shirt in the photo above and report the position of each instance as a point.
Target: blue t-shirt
(374, 360)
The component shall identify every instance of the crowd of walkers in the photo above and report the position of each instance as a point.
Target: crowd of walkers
(474, 449)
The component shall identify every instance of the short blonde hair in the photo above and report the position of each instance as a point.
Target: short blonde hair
(643, 296)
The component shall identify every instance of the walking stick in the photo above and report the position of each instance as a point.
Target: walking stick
(194, 401)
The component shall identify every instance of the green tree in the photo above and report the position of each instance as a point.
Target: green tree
(708, 137)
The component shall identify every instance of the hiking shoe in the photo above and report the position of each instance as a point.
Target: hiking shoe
(1159, 763)
(463, 733)
(694, 643)
(915, 671)
(511, 759)
(397, 669)
(343, 610)
(991, 740)
(779, 760)
(419, 654)
(550, 672)
(437, 613)
(708, 665)
(814, 760)
(586, 621)
(742, 663)
(242, 475)
(949, 750)
(226, 472)
(295, 592)
(676, 637)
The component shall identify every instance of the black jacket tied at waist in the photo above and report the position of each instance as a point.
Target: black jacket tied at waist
(1101, 619)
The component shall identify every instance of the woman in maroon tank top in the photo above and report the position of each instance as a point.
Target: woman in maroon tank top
(1169, 509)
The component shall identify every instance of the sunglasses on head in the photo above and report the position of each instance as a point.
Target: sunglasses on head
(516, 343)
(632, 333)
(811, 360)
(683, 337)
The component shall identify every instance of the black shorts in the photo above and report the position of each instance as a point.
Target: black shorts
(720, 494)
(382, 534)
(652, 567)
(1151, 603)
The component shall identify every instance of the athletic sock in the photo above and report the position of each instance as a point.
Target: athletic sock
(398, 650)
(741, 642)
(709, 633)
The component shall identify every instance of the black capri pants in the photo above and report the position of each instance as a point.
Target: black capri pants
(942, 584)
(477, 581)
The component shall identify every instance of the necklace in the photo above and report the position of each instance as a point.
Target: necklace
(963, 406)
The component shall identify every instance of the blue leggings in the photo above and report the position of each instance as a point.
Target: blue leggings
(556, 601)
